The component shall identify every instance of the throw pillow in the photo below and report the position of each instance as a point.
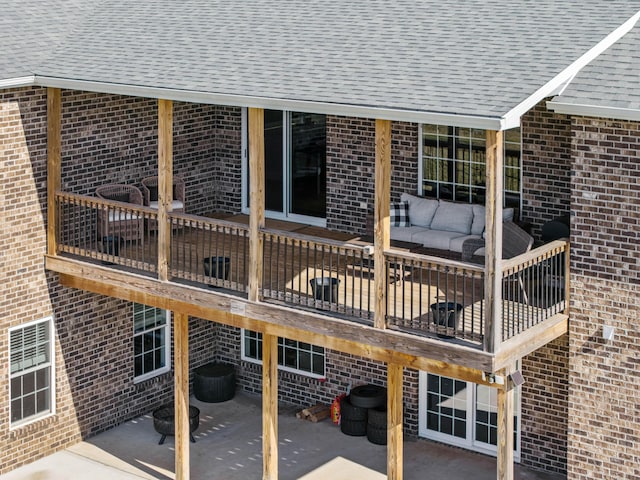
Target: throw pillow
(153, 194)
(399, 214)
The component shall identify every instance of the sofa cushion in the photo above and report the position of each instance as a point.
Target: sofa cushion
(404, 234)
(434, 238)
(479, 217)
(453, 217)
(421, 210)
(399, 213)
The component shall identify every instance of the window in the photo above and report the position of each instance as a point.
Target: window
(462, 413)
(151, 333)
(295, 166)
(31, 376)
(293, 356)
(454, 164)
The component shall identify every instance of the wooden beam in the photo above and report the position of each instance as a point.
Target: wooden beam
(256, 200)
(450, 359)
(395, 440)
(269, 407)
(54, 165)
(165, 184)
(493, 240)
(531, 340)
(181, 394)
(505, 428)
(381, 231)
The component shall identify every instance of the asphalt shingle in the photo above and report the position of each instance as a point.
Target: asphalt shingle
(464, 57)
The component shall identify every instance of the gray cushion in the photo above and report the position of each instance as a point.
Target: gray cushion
(479, 217)
(434, 238)
(421, 210)
(453, 217)
(404, 234)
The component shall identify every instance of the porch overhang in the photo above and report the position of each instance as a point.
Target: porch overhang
(327, 108)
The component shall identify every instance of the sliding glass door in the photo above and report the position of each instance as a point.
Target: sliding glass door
(295, 166)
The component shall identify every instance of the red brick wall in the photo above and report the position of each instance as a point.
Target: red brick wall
(93, 334)
(604, 406)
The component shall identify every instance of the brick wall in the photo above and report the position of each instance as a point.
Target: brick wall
(543, 444)
(604, 406)
(93, 334)
(343, 371)
(351, 169)
(114, 139)
(546, 166)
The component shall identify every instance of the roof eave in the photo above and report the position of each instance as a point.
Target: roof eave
(599, 111)
(27, 81)
(558, 83)
(349, 110)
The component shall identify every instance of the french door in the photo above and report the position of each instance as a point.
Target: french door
(463, 414)
(295, 166)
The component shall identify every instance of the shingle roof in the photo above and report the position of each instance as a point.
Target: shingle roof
(609, 86)
(461, 57)
(30, 30)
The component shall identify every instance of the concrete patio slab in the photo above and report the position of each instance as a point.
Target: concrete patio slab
(229, 447)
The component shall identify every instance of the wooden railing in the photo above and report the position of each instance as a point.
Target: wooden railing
(534, 287)
(435, 295)
(425, 295)
(323, 274)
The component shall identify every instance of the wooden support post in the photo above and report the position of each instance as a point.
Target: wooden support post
(181, 394)
(505, 428)
(381, 232)
(395, 437)
(256, 200)
(54, 165)
(493, 241)
(269, 407)
(165, 184)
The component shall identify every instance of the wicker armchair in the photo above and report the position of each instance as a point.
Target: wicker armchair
(117, 220)
(150, 193)
(515, 241)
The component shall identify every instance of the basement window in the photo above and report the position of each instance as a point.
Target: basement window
(151, 335)
(293, 356)
(31, 372)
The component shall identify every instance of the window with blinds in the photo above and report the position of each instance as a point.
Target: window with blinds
(31, 371)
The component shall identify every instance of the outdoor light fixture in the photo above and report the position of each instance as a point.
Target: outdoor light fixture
(517, 378)
(608, 332)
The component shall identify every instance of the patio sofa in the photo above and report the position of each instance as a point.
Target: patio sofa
(438, 224)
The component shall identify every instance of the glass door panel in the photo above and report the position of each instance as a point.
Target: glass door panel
(447, 406)
(308, 162)
(273, 171)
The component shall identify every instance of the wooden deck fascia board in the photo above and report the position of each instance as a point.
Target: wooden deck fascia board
(386, 345)
(530, 340)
